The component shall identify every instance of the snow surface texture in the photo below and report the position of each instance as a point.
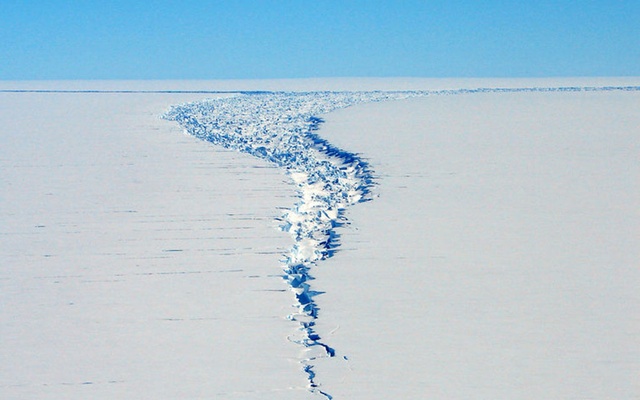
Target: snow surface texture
(280, 127)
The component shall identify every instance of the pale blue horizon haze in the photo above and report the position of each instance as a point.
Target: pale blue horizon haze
(299, 39)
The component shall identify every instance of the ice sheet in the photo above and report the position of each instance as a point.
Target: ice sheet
(497, 262)
(137, 262)
(500, 258)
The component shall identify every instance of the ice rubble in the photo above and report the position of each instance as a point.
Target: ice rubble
(280, 128)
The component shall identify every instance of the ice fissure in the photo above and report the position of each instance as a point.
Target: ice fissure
(280, 128)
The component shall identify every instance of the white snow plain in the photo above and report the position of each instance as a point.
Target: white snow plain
(497, 259)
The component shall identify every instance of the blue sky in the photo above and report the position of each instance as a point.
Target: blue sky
(229, 39)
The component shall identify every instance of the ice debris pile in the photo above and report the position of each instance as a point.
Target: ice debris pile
(280, 127)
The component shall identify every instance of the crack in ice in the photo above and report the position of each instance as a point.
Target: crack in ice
(279, 127)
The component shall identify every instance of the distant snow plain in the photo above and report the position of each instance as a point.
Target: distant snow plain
(497, 258)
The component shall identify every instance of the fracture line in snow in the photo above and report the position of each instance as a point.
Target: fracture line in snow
(280, 127)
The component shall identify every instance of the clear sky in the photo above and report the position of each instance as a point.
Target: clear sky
(227, 39)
